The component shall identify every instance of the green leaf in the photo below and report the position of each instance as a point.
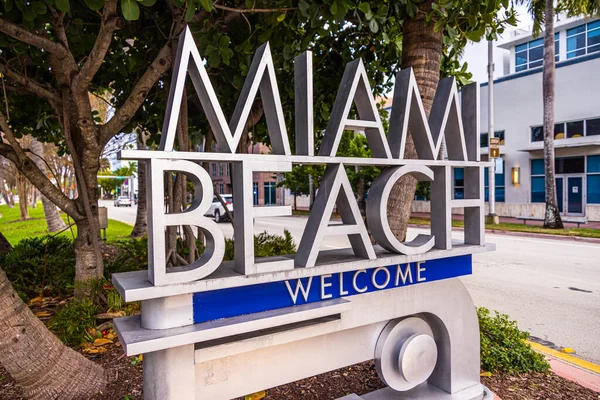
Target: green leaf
(131, 9)
(303, 6)
(63, 5)
(373, 26)
(364, 7)
(333, 8)
(29, 13)
(147, 3)
(281, 17)
(411, 9)
(95, 4)
(475, 36)
(206, 4)
(224, 42)
(39, 7)
(190, 11)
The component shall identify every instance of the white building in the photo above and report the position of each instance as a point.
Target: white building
(518, 118)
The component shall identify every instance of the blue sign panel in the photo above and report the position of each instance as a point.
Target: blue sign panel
(231, 302)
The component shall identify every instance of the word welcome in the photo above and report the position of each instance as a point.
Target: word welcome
(232, 302)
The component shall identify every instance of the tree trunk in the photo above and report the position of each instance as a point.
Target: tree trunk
(22, 192)
(43, 366)
(140, 228)
(8, 198)
(552, 217)
(421, 50)
(53, 220)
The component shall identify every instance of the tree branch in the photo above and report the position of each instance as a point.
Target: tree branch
(123, 115)
(254, 10)
(30, 84)
(32, 39)
(15, 153)
(110, 23)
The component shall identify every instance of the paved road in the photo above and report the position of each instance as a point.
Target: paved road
(123, 214)
(551, 287)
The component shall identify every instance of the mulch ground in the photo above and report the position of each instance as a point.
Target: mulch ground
(125, 375)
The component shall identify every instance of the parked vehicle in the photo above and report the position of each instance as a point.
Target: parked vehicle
(123, 201)
(217, 210)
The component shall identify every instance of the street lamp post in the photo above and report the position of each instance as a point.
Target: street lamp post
(492, 218)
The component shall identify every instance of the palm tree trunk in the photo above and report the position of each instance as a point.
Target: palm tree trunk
(552, 217)
(140, 228)
(53, 220)
(36, 359)
(421, 50)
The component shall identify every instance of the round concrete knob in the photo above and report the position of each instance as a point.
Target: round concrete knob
(417, 359)
(405, 353)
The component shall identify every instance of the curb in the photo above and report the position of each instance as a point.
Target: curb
(566, 366)
(524, 234)
(578, 362)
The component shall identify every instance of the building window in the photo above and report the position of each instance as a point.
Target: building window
(592, 127)
(227, 169)
(568, 130)
(220, 169)
(593, 179)
(499, 194)
(270, 193)
(531, 54)
(484, 142)
(255, 193)
(538, 181)
(459, 183)
(214, 169)
(221, 191)
(583, 39)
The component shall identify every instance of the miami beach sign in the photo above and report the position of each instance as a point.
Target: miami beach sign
(219, 330)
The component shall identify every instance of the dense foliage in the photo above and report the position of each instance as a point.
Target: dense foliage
(503, 346)
(40, 266)
(72, 322)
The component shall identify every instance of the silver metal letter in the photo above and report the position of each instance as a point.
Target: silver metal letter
(245, 212)
(303, 96)
(377, 218)
(335, 189)
(158, 220)
(355, 88)
(444, 120)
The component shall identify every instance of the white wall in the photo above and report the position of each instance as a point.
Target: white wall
(518, 106)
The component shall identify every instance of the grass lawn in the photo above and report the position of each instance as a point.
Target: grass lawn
(15, 230)
(581, 232)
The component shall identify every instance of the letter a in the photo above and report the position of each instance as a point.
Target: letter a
(355, 88)
(334, 189)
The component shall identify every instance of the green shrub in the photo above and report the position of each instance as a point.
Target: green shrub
(266, 245)
(73, 322)
(43, 265)
(131, 255)
(503, 346)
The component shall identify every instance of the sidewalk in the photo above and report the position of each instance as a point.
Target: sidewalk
(510, 220)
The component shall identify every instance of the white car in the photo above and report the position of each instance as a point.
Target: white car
(217, 210)
(122, 201)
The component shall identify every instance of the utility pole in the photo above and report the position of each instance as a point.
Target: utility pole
(492, 218)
